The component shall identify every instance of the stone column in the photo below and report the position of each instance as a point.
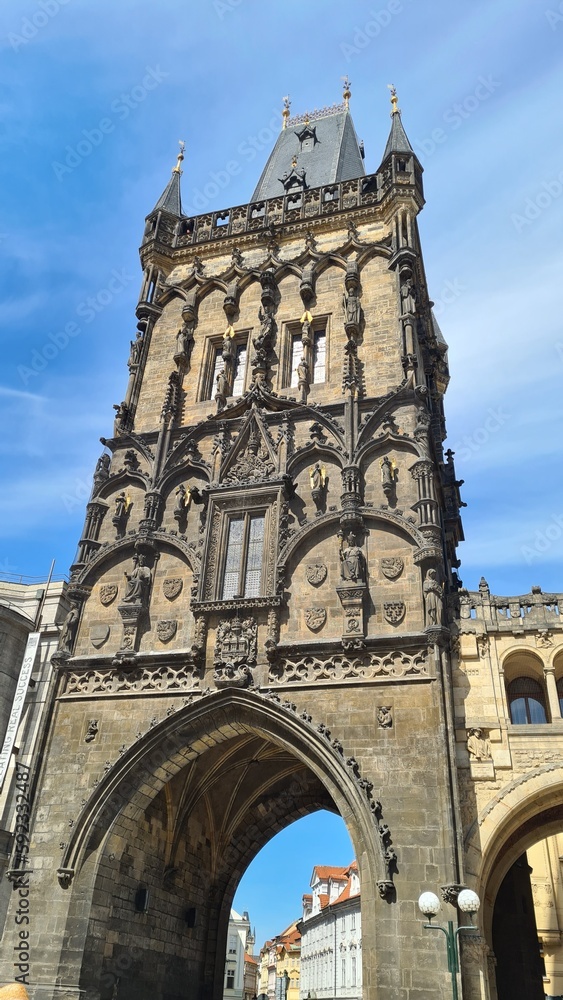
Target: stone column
(552, 695)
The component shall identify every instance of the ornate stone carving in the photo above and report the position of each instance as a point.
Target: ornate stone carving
(394, 611)
(392, 566)
(478, 745)
(352, 559)
(166, 629)
(69, 630)
(138, 680)
(433, 598)
(315, 618)
(92, 731)
(108, 593)
(318, 480)
(389, 474)
(171, 587)
(99, 633)
(384, 717)
(138, 582)
(449, 893)
(316, 573)
(254, 464)
(65, 877)
(235, 642)
(364, 666)
(122, 510)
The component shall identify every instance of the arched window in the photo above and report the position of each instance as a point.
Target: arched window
(560, 694)
(526, 701)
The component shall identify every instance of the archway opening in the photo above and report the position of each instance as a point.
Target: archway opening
(276, 892)
(190, 819)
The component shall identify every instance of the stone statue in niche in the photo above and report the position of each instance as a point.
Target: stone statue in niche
(138, 582)
(478, 745)
(185, 341)
(68, 631)
(408, 295)
(135, 352)
(318, 480)
(384, 717)
(122, 504)
(388, 477)
(351, 299)
(183, 500)
(352, 560)
(228, 347)
(433, 598)
(92, 731)
(222, 386)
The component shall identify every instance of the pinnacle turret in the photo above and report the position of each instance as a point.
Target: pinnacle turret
(397, 141)
(170, 200)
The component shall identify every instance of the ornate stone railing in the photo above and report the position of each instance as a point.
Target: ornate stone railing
(529, 610)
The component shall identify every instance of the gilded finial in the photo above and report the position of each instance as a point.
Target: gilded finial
(294, 161)
(177, 169)
(346, 94)
(285, 112)
(395, 110)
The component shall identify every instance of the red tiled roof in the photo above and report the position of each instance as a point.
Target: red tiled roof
(328, 871)
(250, 960)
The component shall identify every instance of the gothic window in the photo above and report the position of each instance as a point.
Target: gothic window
(236, 368)
(239, 369)
(317, 358)
(242, 575)
(526, 701)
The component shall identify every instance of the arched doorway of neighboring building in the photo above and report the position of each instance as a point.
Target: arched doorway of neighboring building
(515, 857)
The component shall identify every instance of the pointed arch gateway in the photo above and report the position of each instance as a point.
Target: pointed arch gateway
(159, 849)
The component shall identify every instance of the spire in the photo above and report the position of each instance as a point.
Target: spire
(170, 199)
(346, 93)
(397, 141)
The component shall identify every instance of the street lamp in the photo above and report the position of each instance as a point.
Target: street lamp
(468, 902)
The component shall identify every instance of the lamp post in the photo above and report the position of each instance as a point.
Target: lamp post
(468, 902)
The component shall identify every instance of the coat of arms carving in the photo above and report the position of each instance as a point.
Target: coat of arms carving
(392, 567)
(171, 587)
(235, 642)
(166, 629)
(316, 574)
(108, 593)
(315, 618)
(394, 612)
(99, 634)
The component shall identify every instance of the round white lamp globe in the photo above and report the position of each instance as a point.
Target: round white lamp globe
(429, 904)
(468, 901)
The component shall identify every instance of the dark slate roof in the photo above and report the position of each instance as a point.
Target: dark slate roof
(397, 141)
(170, 199)
(335, 155)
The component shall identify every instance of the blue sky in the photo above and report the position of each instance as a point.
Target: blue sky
(94, 99)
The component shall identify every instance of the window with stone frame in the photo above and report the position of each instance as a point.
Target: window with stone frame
(244, 556)
(241, 551)
(237, 369)
(294, 352)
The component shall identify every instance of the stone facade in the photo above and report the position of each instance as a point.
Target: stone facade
(261, 605)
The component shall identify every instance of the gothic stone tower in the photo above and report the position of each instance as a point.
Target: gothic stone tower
(259, 625)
